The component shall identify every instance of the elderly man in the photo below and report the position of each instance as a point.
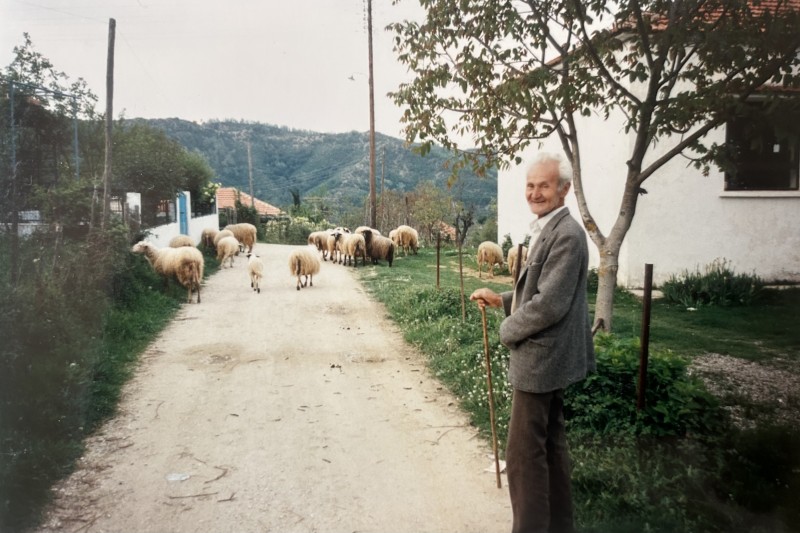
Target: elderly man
(548, 331)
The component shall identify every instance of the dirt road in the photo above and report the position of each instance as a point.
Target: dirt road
(283, 411)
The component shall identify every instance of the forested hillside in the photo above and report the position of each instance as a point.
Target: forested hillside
(334, 166)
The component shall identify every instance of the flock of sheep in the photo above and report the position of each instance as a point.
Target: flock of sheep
(490, 254)
(182, 261)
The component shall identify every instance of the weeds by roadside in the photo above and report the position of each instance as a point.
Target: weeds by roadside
(678, 466)
(73, 327)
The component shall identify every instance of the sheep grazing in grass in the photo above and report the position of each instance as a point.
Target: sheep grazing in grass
(490, 254)
(207, 237)
(227, 248)
(511, 259)
(185, 264)
(353, 246)
(245, 233)
(379, 247)
(221, 235)
(255, 267)
(181, 240)
(304, 262)
(406, 238)
(320, 240)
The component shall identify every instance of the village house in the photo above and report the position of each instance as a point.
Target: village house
(684, 220)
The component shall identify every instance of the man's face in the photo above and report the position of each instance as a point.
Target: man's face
(541, 188)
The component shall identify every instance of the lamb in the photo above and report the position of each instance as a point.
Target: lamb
(207, 237)
(245, 233)
(512, 259)
(489, 253)
(379, 247)
(181, 240)
(185, 264)
(303, 262)
(407, 238)
(227, 248)
(353, 245)
(255, 267)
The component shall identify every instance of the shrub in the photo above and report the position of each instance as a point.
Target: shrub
(718, 285)
(676, 404)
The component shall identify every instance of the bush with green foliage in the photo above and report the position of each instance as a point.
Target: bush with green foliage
(676, 404)
(678, 465)
(718, 285)
(79, 315)
(293, 230)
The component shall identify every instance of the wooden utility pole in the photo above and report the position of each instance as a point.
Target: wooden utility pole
(250, 173)
(372, 199)
(112, 26)
(383, 177)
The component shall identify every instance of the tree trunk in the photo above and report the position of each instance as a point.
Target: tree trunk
(607, 284)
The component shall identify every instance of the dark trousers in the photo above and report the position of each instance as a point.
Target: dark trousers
(537, 463)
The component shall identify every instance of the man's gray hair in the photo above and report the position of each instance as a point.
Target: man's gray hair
(564, 166)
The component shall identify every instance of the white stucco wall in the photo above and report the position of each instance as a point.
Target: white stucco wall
(685, 222)
(161, 235)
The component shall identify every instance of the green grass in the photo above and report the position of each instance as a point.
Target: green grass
(678, 466)
(761, 332)
(71, 338)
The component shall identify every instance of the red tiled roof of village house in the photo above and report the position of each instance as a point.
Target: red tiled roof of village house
(447, 229)
(659, 22)
(227, 196)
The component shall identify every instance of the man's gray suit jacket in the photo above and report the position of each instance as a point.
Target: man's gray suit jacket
(549, 332)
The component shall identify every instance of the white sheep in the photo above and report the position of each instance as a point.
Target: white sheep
(221, 235)
(255, 267)
(245, 233)
(331, 245)
(207, 237)
(406, 238)
(363, 229)
(181, 240)
(304, 262)
(379, 247)
(320, 240)
(512, 259)
(227, 248)
(185, 264)
(353, 245)
(489, 253)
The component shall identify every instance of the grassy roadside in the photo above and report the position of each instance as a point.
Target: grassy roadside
(679, 466)
(73, 330)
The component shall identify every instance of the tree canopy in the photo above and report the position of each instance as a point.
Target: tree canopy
(503, 75)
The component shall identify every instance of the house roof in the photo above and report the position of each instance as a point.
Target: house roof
(759, 8)
(227, 196)
(446, 229)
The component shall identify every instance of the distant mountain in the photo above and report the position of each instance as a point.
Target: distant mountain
(334, 166)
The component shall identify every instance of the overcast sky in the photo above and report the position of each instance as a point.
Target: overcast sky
(280, 62)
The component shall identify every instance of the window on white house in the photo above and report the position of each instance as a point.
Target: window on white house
(762, 160)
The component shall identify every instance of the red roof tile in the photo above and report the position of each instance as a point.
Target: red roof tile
(227, 196)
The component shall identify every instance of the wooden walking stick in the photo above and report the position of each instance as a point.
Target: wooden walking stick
(491, 396)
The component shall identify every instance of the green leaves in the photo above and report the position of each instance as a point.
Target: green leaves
(605, 403)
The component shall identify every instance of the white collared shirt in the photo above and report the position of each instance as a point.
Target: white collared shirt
(536, 228)
(539, 224)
